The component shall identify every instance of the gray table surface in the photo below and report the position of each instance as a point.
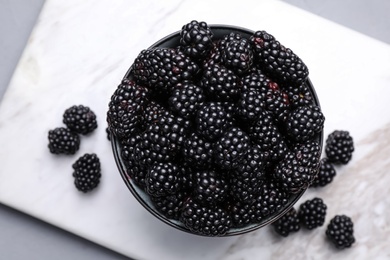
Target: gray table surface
(24, 237)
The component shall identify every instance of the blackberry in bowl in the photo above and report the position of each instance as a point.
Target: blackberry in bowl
(206, 134)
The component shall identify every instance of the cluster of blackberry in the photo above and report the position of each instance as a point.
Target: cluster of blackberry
(220, 132)
(79, 120)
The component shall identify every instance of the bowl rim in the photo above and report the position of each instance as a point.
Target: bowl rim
(143, 198)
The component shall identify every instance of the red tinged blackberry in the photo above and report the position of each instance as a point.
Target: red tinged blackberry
(87, 172)
(298, 169)
(196, 39)
(210, 187)
(238, 56)
(247, 178)
(80, 119)
(303, 123)
(312, 213)
(170, 206)
(340, 231)
(211, 121)
(186, 99)
(325, 174)
(280, 62)
(197, 151)
(288, 223)
(205, 220)
(271, 199)
(125, 113)
(163, 179)
(339, 147)
(220, 83)
(231, 148)
(63, 141)
(162, 69)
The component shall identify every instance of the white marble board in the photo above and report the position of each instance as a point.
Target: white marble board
(79, 51)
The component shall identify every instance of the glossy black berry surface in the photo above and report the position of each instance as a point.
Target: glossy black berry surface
(63, 141)
(339, 147)
(340, 231)
(87, 172)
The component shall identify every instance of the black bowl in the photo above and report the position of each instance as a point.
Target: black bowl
(172, 40)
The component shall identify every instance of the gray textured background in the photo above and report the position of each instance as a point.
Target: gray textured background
(23, 237)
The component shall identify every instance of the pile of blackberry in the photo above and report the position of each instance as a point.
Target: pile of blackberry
(220, 132)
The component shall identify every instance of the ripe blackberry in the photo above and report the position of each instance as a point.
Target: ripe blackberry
(241, 213)
(186, 99)
(153, 111)
(266, 134)
(270, 200)
(210, 187)
(125, 113)
(247, 178)
(325, 174)
(339, 147)
(340, 231)
(196, 39)
(127, 147)
(238, 56)
(87, 172)
(220, 83)
(298, 169)
(80, 119)
(162, 69)
(197, 151)
(231, 148)
(312, 213)
(250, 105)
(63, 141)
(277, 102)
(288, 223)
(170, 206)
(205, 220)
(299, 95)
(304, 122)
(280, 62)
(163, 179)
(211, 121)
(137, 172)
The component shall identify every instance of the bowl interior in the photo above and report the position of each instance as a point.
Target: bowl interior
(172, 40)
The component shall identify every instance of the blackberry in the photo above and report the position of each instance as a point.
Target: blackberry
(298, 169)
(127, 147)
(312, 213)
(80, 119)
(277, 102)
(162, 69)
(108, 133)
(210, 187)
(87, 172)
(304, 122)
(266, 134)
(280, 62)
(271, 199)
(137, 172)
(186, 99)
(211, 121)
(288, 223)
(241, 213)
(299, 95)
(325, 174)
(238, 56)
(220, 83)
(247, 178)
(339, 147)
(205, 220)
(197, 151)
(153, 111)
(250, 105)
(163, 179)
(125, 113)
(170, 206)
(196, 39)
(63, 141)
(340, 231)
(231, 148)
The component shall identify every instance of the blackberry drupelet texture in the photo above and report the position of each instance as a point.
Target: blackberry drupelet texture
(238, 56)
(288, 223)
(339, 147)
(186, 99)
(340, 231)
(87, 172)
(197, 151)
(170, 206)
(211, 121)
(63, 141)
(210, 187)
(80, 119)
(312, 213)
(325, 174)
(196, 39)
(280, 62)
(163, 179)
